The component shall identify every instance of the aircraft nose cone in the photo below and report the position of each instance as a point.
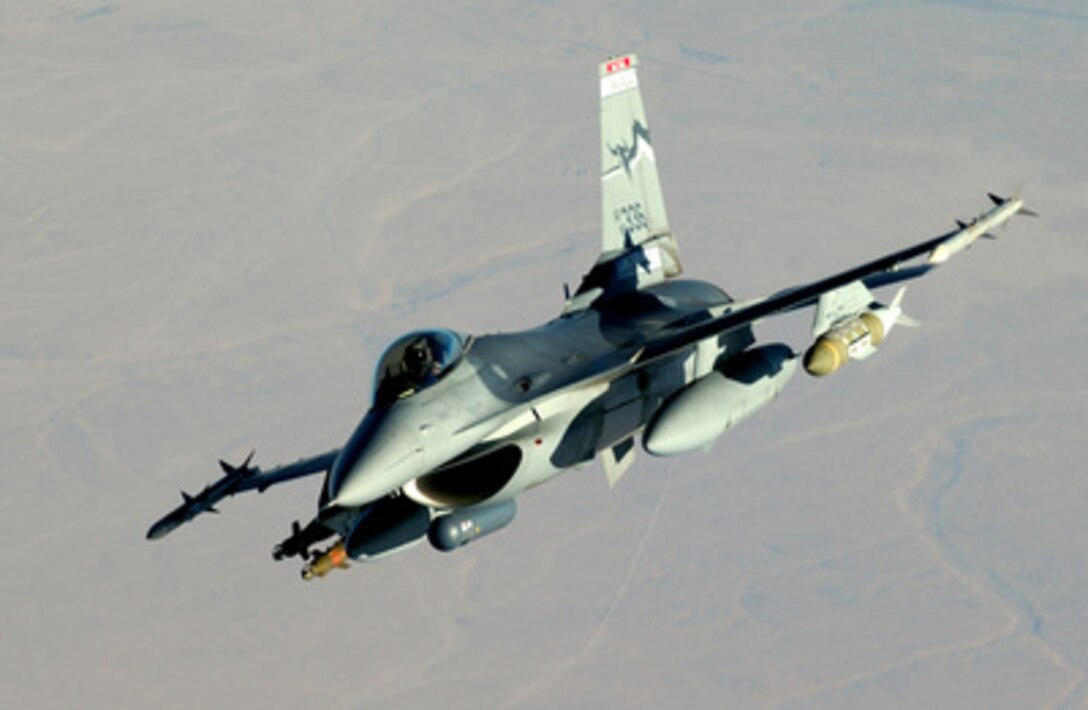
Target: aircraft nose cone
(380, 457)
(372, 477)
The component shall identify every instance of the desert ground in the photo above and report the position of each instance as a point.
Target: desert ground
(215, 215)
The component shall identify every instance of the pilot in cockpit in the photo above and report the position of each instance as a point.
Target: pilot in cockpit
(420, 364)
(414, 362)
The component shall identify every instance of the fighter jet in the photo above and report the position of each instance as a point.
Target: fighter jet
(460, 425)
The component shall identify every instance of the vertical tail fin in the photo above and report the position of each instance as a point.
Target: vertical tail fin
(632, 204)
(637, 247)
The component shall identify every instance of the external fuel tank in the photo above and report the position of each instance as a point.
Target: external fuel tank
(705, 409)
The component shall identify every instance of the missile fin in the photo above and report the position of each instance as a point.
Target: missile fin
(896, 307)
(242, 471)
(897, 302)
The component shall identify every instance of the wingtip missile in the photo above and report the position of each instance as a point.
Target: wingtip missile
(980, 227)
(204, 502)
(164, 527)
(998, 200)
(191, 506)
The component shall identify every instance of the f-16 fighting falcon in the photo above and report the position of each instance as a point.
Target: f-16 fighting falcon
(460, 425)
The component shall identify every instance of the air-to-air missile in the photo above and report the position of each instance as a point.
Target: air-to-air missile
(204, 502)
(1004, 208)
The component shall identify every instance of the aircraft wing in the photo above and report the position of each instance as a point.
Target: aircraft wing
(238, 479)
(889, 269)
(879, 272)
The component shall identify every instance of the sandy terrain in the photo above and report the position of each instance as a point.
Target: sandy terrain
(212, 220)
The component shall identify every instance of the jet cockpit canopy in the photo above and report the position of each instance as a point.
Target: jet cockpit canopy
(414, 362)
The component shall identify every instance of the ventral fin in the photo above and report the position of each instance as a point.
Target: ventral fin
(617, 459)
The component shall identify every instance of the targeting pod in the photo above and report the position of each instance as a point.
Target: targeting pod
(461, 527)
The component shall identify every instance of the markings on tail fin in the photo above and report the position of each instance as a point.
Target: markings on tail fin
(637, 247)
(615, 65)
(630, 154)
(633, 208)
(613, 84)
